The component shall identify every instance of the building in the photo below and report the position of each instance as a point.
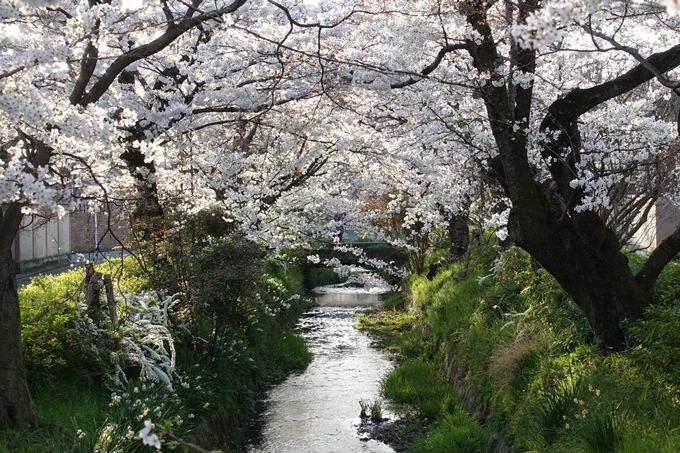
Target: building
(47, 243)
(662, 220)
(42, 244)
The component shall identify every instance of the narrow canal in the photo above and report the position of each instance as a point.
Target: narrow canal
(318, 410)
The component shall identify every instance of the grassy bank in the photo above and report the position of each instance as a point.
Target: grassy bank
(192, 363)
(508, 350)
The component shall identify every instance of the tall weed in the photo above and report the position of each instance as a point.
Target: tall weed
(419, 384)
(554, 407)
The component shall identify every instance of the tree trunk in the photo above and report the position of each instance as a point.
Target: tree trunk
(459, 233)
(591, 269)
(16, 407)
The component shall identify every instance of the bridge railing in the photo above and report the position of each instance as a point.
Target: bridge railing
(352, 239)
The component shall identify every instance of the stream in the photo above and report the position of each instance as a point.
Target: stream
(317, 411)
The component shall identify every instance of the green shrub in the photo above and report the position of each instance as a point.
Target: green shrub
(55, 334)
(289, 275)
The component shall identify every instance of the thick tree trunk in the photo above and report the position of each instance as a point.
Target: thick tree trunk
(592, 270)
(147, 203)
(16, 407)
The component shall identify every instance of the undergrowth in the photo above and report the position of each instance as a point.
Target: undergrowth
(515, 344)
(213, 379)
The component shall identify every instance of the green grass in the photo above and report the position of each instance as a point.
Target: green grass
(454, 433)
(60, 405)
(526, 351)
(288, 352)
(420, 385)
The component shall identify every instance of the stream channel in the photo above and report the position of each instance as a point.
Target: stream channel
(317, 410)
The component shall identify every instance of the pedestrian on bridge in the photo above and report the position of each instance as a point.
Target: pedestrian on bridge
(339, 227)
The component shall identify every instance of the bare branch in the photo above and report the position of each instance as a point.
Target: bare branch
(428, 70)
(635, 54)
(4, 75)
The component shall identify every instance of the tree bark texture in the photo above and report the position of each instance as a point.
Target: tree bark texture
(16, 407)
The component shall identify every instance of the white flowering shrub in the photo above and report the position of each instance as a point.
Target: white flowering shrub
(145, 340)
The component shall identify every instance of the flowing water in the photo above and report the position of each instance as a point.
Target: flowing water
(317, 411)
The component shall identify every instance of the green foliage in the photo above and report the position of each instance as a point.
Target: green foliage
(371, 409)
(125, 417)
(365, 408)
(227, 273)
(55, 334)
(321, 276)
(376, 409)
(667, 288)
(58, 402)
(658, 337)
(554, 407)
(288, 274)
(597, 432)
(394, 300)
(257, 302)
(128, 273)
(419, 384)
(394, 330)
(657, 334)
(288, 353)
(454, 433)
(525, 350)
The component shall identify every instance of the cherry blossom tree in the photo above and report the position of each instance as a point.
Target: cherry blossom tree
(282, 112)
(187, 105)
(571, 97)
(560, 226)
(63, 109)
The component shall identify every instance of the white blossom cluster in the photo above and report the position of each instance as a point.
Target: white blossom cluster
(145, 340)
(279, 126)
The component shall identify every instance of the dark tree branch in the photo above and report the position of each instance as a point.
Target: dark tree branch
(4, 75)
(173, 32)
(657, 261)
(563, 113)
(428, 70)
(87, 66)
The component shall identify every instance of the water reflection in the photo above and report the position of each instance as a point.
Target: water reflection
(317, 411)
